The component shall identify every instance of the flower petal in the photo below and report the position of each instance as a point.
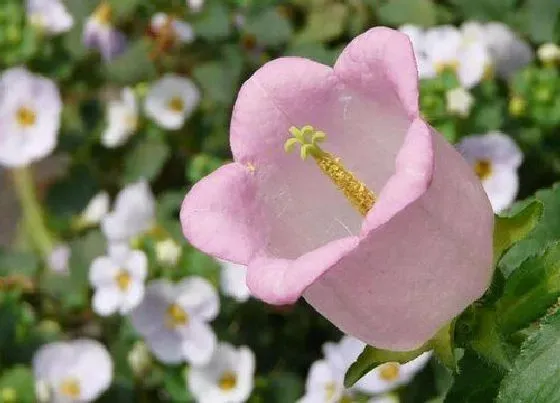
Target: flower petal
(102, 271)
(221, 216)
(198, 297)
(106, 300)
(199, 342)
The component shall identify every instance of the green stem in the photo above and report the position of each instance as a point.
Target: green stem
(32, 212)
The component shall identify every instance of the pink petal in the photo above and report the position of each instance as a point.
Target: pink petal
(382, 61)
(412, 274)
(221, 215)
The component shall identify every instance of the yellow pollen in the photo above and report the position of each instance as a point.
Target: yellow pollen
(123, 280)
(175, 316)
(176, 104)
(450, 65)
(26, 116)
(483, 169)
(70, 387)
(103, 13)
(330, 389)
(389, 371)
(228, 380)
(355, 190)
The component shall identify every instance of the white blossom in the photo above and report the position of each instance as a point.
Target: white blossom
(180, 30)
(30, 108)
(233, 281)
(122, 119)
(99, 33)
(549, 53)
(168, 252)
(75, 371)
(495, 159)
(133, 213)
(195, 5)
(325, 384)
(227, 378)
(118, 280)
(171, 100)
(459, 101)
(173, 319)
(97, 209)
(50, 16)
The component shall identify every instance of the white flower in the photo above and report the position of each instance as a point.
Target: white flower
(122, 117)
(174, 320)
(179, 30)
(417, 38)
(233, 280)
(171, 100)
(59, 258)
(195, 5)
(508, 51)
(30, 109)
(118, 280)
(49, 15)
(133, 213)
(76, 371)
(459, 101)
(97, 208)
(168, 252)
(549, 53)
(495, 159)
(325, 384)
(99, 33)
(227, 378)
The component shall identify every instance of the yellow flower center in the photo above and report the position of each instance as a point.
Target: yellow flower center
(389, 371)
(355, 190)
(452, 65)
(175, 316)
(330, 390)
(228, 380)
(26, 116)
(70, 387)
(176, 104)
(103, 13)
(483, 169)
(123, 280)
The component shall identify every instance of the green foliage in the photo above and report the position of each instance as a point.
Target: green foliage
(398, 12)
(146, 160)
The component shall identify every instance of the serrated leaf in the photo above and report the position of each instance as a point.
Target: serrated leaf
(545, 232)
(133, 65)
(535, 376)
(146, 160)
(269, 28)
(398, 12)
(530, 290)
(323, 24)
(509, 229)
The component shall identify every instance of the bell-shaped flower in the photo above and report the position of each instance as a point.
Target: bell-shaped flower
(50, 16)
(99, 33)
(227, 378)
(381, 225)
(171, 100)
(133, 213)
(118, 280)
(495, 159)
(233, 281)
(174, 320)
(75, 371)
(122, 119)
(30, 108)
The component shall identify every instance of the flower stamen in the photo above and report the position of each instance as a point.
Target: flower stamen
(228, 380)
(175, 316)
(176, 104)
(389, 371)
(123, 280)
(483, 169)
(70, 387)
(26, 116)
(355, 190)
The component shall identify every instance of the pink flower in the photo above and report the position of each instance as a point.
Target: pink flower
(390, 275)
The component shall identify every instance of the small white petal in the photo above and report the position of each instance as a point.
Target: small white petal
(102, 271)
(122, 117)
(132, 297)
(106, 300)
(49, 15)
(59, 258)
(459, 101)
(233, 281)
(97, 208)
(198, 297)
(198, 342)
(166, 346)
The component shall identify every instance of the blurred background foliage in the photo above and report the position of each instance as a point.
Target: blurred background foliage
(233, 38)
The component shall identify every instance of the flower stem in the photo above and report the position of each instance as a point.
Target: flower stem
(33, 221)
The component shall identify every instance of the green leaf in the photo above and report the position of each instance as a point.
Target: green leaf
(220, 80)
(483, 9)
(146, 160)
(123, 8)
(132, 66)
(477, 381)
(284, 387)
(542, 19)
(70, 194)
(530, 290)
(535, 376)
(269, 28)
(509, 229)
(17, 385)
(545, 232)
(214, 22)
(323, 24)
(398, 12)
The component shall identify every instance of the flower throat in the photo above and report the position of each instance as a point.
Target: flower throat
(355, 190)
